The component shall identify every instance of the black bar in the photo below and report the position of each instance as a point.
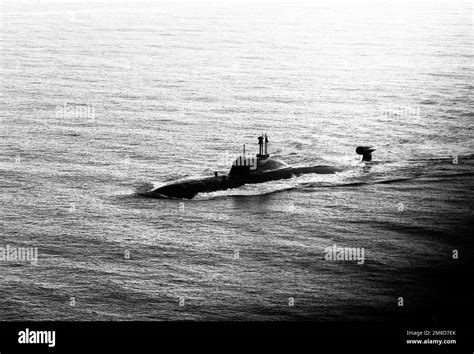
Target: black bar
(211, 337)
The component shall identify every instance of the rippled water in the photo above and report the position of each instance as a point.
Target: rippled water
(106, 100)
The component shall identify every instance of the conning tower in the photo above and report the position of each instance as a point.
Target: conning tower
(250, 166)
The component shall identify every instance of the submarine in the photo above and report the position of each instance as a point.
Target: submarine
(247, 170)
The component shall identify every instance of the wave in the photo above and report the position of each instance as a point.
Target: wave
(429, 102)
(143, 188)
(296, 185)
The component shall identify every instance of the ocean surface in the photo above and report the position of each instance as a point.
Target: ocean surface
(102, 101)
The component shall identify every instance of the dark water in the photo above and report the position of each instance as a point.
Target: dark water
(169, 90)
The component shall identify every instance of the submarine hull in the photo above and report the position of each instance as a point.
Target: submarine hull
(187, 189)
